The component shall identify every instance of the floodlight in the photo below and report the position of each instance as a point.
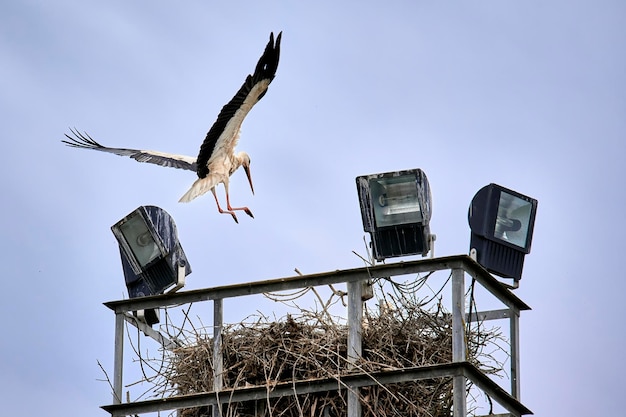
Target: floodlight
(152, 258)
(502, 222)
(395, 209)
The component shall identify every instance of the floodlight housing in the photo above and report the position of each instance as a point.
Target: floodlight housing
(502, 223)
(152, 258)
(396, 209)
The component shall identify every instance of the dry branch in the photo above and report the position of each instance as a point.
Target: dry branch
(310, 345)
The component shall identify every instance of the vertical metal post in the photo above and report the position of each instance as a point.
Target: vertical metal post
(458, 340)
(355, 317)
(218, 359)
(118, 358)
(515, 364)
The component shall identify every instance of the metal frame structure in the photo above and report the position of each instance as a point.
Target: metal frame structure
(459, 369)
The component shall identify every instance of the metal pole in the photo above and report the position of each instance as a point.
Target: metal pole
(515, 364)
(458, 340)
(118, 358)
(218, 360)
(355, 316)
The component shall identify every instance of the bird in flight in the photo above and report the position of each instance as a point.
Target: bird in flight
(217, 159)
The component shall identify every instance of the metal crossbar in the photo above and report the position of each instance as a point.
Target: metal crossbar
(230, 395)
(459, 370)
(463, 262)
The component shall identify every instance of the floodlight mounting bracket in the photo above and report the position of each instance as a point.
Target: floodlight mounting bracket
(180, 277)
(148, 316)
(431, 239)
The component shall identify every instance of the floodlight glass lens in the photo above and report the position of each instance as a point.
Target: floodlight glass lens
(140, 240)
(513, 219)
(395, 200)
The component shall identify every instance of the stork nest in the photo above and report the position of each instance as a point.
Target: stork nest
(310, 346)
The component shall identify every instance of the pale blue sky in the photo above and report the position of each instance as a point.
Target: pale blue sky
(527, 94)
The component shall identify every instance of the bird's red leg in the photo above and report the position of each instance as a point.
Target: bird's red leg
(228, 206)
(245, 209)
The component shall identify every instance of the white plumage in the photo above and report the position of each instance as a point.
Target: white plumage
(217, 159)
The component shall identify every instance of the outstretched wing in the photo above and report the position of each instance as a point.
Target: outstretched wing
(84, 141)
(223, 135)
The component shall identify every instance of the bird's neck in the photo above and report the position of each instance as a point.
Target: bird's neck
(236, 162)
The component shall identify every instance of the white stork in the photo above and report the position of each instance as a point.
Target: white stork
(217, 159)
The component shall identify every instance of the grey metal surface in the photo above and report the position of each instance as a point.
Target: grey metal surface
(333, 277)
(327, 384)
(355, 317)
(458, 340)
(489, 315)
(118, 358)
(515, 359)
(459, 370)
(218, 359)
(151, 333)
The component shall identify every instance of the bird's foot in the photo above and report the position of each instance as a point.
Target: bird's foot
(244, 209)
(232, 213)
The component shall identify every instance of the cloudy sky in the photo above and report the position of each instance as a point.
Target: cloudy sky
(527, 94)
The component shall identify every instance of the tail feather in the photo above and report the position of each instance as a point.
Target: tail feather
(199, 187)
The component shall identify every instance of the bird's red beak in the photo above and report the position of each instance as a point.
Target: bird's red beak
(247, 169)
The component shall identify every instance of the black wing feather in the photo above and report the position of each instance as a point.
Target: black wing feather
(265, 70)
(84, 141)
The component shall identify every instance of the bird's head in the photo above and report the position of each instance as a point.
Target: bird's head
(244, 160)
